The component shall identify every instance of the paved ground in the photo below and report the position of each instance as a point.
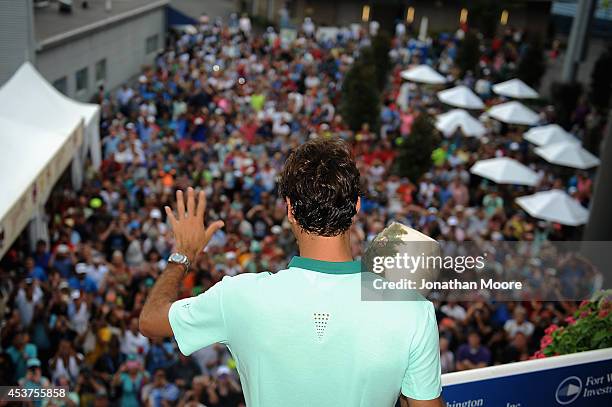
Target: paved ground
(49, 22)
(214, 8)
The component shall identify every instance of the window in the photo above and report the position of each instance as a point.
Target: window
(81, 80)
(61, 84)
(101, 70)
(152, 44)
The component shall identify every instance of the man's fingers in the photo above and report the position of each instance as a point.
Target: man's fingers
(201, 205)
(170, 216)
(212, 228)
(190, 203)
(180, 204)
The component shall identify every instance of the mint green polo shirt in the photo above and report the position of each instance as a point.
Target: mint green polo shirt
(304, 337)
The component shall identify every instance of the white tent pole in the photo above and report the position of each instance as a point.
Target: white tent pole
(95, 148)
(77, 172)
(38, 228)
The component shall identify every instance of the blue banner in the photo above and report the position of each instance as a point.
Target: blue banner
(580, 385)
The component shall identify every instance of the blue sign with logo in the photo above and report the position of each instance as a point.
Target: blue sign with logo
(582, 385)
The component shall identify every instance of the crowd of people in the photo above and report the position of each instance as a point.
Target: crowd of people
(220, 110)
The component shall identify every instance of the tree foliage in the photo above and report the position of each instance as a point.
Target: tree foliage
(532, 64)
(601, 80)
(414, 158)
(484, 15)
(565, 98)
(468, 53)
(381, 45)
(360, 96)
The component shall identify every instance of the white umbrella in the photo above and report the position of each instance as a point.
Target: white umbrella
(423, 74)
(449, 122)
(555, 206)
(461, 96)
(504, 170)
(568, 154)
(514, 113)
(549, 134)
(515, 88)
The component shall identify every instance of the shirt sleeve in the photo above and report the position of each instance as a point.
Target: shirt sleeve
(199, 321)
(422, 380)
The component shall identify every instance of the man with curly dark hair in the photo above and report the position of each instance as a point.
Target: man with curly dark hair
(303, 336)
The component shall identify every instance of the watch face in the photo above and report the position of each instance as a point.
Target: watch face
(178, 258)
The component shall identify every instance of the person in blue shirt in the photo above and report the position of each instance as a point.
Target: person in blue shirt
(160, 392)
(82, 281)
(62, 260)
(20, 352)
(42, 255)
(160, 356)
(34, 271)
(34, 378)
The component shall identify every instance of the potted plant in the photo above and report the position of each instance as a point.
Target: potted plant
(589, 328)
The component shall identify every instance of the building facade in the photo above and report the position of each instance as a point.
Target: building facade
(442, 15)
(82, 50)
(17, 42)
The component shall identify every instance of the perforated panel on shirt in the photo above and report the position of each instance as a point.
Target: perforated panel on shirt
(320, 321)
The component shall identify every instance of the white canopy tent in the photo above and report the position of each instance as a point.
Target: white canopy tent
(549, 134)
(461, 96)
(423, 74)
(27, 97)
(504, 170)
(515, 88)
(555, 206)
(514, 113)
(41, 132)
(568, 154)
(32, 161)
(449, 122)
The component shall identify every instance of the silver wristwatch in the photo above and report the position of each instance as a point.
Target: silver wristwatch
(179, 258)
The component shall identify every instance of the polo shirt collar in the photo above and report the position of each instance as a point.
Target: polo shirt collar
(327, 267)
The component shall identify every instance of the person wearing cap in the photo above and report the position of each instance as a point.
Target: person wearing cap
(28, 296)
(302, 336)
(128, 381)
(34, 378)
(81, 279)
(62, 259)
(98, 270)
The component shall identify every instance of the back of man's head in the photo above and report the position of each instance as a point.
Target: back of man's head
(321, 182)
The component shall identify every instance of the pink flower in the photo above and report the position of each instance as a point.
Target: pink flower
(551, 329)
(584, 314)
(538, 355)
(603, 313)
(584, 303)
(570, 320)
(546, 340)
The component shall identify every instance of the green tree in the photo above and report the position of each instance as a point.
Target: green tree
(381, 45)
(484, 15)
(468, 53)
(360, 101)
(532, 64)
(601, 80)
(565, 98)
(414, 158)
